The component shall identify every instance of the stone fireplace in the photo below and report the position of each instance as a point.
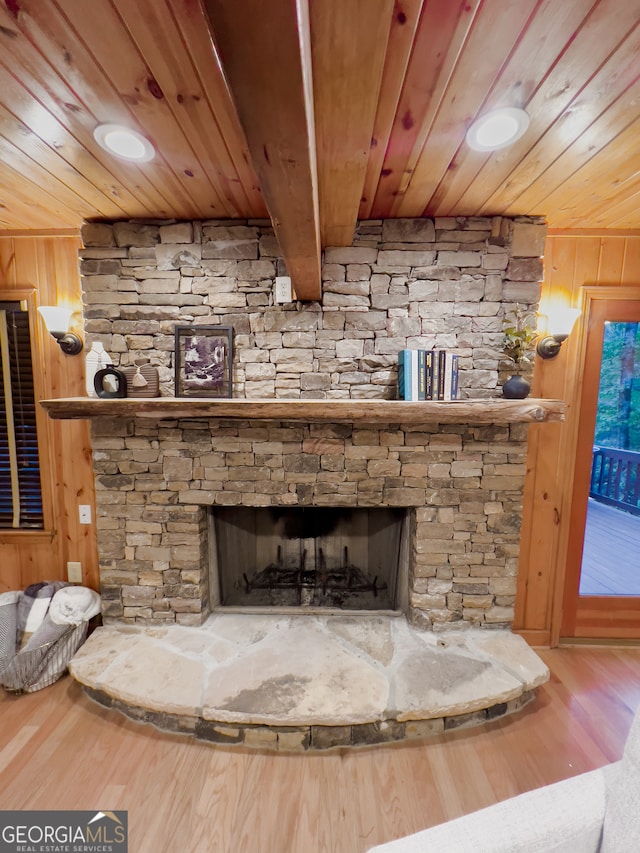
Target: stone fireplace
(312, 508)
(460, 487)
(444, 283)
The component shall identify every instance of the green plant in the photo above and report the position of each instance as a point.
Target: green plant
(519, 336)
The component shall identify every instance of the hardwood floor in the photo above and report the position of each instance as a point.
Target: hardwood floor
(59, 750)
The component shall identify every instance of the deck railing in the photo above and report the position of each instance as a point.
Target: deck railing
(615, 478)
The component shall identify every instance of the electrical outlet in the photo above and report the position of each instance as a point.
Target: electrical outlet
(283, 289)
(74, 572)
(84, 513)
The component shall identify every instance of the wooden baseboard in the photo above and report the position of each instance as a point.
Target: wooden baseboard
(540, 638)
(604, 642)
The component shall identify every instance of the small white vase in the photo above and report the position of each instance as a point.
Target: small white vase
(96, 359)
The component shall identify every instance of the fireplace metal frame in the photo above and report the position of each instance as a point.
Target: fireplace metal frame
(402, 576)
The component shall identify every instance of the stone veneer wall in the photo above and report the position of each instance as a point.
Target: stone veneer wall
(155, 478)
(404, 283)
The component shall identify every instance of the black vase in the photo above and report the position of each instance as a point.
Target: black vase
(516, 388)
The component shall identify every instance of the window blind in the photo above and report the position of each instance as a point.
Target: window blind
(20, 491)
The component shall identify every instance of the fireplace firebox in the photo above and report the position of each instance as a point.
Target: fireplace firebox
(308, 557)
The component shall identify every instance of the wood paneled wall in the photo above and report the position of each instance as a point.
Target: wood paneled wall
(48, 266)
(572, 260)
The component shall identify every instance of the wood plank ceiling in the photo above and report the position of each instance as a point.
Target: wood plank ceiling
(318, 112)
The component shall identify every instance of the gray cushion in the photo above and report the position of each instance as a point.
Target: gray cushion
(621, 832)
(565, 817)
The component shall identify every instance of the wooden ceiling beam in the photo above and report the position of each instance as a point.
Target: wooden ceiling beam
(264, 50)
(349, 44)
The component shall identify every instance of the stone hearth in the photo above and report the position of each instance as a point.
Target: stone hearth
(300, 682)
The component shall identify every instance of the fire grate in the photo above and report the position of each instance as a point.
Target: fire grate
(317, 587)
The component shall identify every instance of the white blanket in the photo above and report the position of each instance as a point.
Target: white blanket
(11, 597)
(37, 612)
(73, 605)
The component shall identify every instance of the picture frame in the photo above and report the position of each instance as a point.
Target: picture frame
(203, 361)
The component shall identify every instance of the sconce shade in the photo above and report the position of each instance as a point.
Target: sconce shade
(57, 320)
(561, 322)
(559, 325)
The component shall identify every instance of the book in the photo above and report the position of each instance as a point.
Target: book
(404, 374)
(427, 375)
(401, 375)
(428, 369)
(450, 380)
(435, 375)
(413, 354)
(447, 378)
(408, 381)
(422, 374)
(442, 359)
(454, 376)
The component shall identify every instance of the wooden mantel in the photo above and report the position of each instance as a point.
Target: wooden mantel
(489, 411)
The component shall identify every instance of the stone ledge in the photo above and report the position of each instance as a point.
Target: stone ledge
(303, 738)
(307, 682)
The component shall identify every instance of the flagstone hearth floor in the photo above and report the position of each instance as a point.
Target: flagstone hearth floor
(307, 681)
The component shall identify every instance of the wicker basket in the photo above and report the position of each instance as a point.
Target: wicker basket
(31, 669)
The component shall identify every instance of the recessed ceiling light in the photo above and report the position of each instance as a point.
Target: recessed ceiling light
(497, 129)
(123, 142)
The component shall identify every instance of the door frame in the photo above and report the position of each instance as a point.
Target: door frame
(572, 617)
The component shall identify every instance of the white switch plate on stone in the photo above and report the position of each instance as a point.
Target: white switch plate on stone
(283, 289)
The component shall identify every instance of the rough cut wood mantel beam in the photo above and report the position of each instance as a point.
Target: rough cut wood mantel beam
(264, 49)
(497, 411)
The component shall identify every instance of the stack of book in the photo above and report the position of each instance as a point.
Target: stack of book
(427, 374)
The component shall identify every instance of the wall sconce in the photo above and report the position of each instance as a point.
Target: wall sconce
(559, 325)
(57, 322)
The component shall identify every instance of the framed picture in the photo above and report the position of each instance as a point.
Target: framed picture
(204, 361)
